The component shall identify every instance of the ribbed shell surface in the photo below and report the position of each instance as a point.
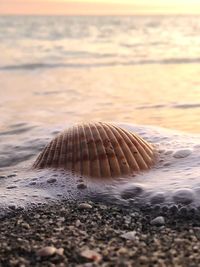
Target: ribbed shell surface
(97, 150)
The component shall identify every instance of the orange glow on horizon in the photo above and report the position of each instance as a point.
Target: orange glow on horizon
(103, 7)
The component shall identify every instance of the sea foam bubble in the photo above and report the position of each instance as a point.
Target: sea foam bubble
(174, 182)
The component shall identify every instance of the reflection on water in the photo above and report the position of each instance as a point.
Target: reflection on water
(167, 96)
(66, 69)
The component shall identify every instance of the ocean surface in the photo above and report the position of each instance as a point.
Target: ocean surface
(140, 71)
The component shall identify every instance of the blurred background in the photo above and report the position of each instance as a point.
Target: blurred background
(126, 61)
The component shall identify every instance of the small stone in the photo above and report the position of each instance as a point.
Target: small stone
(183, 196)
(158, 198)
(103, 207)
(78, 223)
(131, 192)
(91, 255)
(183, 211)
(182, 153)
(37, 216)
(167, 164)
(11, 187)
(129, 235)
(81, 186)
(11, 175)
(84, 206)
(158, 221)
(143, 259)
(32, 183)
(51, 180)
(122, 251)
(173, 209)
(12, 207)
(3, 176)
(60, 251)
(26, 225)
(46, 251)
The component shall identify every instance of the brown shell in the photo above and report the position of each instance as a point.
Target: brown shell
(97, 150)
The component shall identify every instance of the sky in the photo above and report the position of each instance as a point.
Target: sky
(99, 7)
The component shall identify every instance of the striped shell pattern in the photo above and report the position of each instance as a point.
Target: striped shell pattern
(97, 150)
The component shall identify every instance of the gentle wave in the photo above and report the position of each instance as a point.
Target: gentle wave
(177, 106)
(34, 66)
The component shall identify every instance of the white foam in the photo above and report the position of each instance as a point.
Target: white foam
(174, 179)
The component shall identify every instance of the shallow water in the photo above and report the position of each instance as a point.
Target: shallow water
(174, 180)
(138, 70)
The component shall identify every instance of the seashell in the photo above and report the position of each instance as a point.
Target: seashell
(97, 150)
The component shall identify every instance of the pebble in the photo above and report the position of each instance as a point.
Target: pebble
(129, 235)
(158, 221)
(51, 180)
(84, 206)
(144, 259)
(78, 223)
(158, 198)
(91, 255)
(183, 153)
(183, 196)
(131, 192)
(32, 183)
(81, 186)
(3, 176)
(12, 207)
(11, 175)
(77, 232)
(60, 251)
(46, 251)
(11, 187)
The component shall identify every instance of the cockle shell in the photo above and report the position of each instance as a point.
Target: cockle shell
(97, 150)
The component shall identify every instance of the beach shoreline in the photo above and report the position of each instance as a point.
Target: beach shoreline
(95, 234)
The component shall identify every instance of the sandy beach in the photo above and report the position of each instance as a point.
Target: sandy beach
(92, 234)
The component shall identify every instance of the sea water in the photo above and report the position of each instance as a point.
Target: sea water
(175, 178)
(139, 70)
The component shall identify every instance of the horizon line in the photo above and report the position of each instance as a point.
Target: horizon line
(104, 15)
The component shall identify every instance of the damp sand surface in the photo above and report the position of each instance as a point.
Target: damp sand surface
(125, 237)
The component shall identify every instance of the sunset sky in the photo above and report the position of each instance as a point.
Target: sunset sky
(99, 7)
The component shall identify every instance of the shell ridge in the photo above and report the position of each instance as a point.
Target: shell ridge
(138, 143)
(65, 150)
(43, 160)
(104, 163)
(138, 156)
(77, 152)
(38, 160)
(94, 155)
(131, 159)
(63, 147)
(113, 163)
(51, 152)
(120, 155)
(144, 144)
(55, 159)
(73, 147)
(68, 163)
(80, 148)
(144, 153)
(84, 154)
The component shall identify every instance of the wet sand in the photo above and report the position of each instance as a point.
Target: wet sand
(98, 235)
(131, 94)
